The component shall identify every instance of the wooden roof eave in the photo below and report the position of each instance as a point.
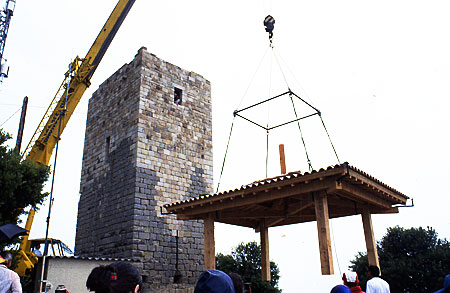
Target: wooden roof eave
(277, 183)
(371, 183)
(253, 197)
(310, 218)
(354, 192)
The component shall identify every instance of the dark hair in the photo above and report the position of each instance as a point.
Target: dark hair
(6, 255)
(374, 271)
(118, 277)
(237, 282)
(351, 284)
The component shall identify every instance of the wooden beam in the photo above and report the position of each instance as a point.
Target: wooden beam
(294, 181)
(270, 195)
(253, 212)
(240, 222)
(282, 159)
(323, 230)
(210, 255)
(298, 210)
(265, 261)
(295, 220)
(397, 196)
(352, 191)
(372, 253)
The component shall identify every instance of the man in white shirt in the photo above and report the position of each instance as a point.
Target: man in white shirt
(9, 280)
(37, 250)
(376, 284)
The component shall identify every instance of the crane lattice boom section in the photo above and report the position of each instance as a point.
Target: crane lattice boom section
(5, 19)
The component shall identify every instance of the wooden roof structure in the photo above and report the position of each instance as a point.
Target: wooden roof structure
(337, 191)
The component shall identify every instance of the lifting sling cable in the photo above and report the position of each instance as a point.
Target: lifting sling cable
(225, 156)
(20, 108)
(285, 64)
(62, 115)
(320, 115)
(301, 135)
(234, 116)
(323, 123)
(253, 77)
(334, 245)
(281, 69)
(295, 112)
(267, 151)
(268, 112)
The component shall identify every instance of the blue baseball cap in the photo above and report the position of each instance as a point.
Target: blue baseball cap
(446, 284)
(341, 289)
(214, 281)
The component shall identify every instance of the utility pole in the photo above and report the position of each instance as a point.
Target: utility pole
(5, 19)
(21, 125)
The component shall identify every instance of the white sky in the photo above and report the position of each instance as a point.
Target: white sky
(378, 70)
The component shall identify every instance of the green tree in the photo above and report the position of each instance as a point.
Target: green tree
(21, 183)
(245, 260)
(411, 260)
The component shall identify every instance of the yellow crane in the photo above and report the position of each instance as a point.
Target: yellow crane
(76, 81)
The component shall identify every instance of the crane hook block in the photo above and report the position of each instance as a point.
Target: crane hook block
(269, 23)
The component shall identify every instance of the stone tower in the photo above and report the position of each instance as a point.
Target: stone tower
(148, 142)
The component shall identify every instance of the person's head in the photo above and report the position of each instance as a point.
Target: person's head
(340, 289)
(237, 282)
(350, 279)
(118, 277)
(374, 271)
(214, 281)
(446, 285)
(7, 256)
(61, 289)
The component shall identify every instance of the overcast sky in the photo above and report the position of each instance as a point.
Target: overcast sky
(378, 70)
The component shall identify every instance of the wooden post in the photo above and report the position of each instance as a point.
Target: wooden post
(282, 159)
(372, 253)
(265, 261)
(210, 256)
(323, 230)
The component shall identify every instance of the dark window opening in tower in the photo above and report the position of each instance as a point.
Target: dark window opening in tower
(178, 96)
(107, 146)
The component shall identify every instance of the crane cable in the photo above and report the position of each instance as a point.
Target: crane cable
(225, 156)
(329, 138)
(234, 117)
(293, 106)
(11, 116)
(301, 135)
(269, 22)
(268, 108)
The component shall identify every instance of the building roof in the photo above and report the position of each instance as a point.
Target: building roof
(289, 198)
(91, 258)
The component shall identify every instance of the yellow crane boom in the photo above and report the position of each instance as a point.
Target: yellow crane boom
(76, 81)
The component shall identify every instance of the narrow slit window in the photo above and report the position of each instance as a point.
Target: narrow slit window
(107, 146)
(177, 96)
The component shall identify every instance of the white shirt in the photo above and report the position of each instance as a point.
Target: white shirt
(377, 285)
(9, 281)
(37, 252)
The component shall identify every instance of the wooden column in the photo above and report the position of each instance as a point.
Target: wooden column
(371, 245)
(210, 254)
(323, 229)
(265, 261)
(282, 159)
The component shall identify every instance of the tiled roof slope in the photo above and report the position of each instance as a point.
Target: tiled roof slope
(268, 182)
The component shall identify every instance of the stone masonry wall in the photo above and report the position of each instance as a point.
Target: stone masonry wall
(106, 207)
(143, 150)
